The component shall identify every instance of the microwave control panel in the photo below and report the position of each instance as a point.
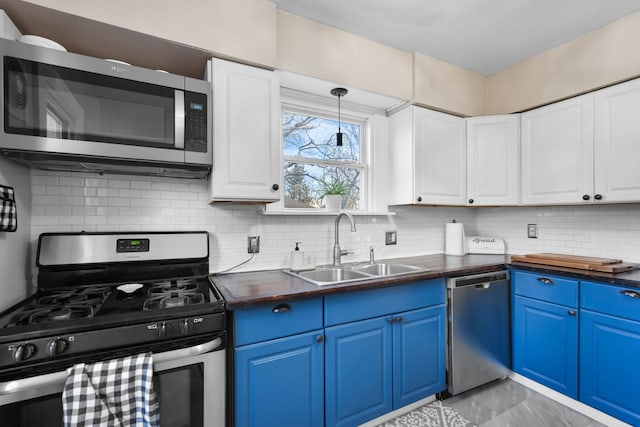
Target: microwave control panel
(195, 122)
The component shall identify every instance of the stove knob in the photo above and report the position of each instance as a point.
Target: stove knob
(23, 352)
(57, 346)
(164, 329)
(184, 327)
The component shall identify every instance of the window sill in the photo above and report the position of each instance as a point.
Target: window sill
(323, 212)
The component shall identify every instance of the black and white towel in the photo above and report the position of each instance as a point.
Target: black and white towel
(115, 393)
(8, 214)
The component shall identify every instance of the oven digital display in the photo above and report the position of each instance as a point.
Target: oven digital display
(132, 245)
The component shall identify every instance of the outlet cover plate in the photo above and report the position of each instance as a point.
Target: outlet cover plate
(253, 244)
(532, 231)
(390, 237)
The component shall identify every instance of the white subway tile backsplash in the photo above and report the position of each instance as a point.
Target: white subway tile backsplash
(79, 201)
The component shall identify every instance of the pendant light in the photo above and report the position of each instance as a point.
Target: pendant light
(339, 92)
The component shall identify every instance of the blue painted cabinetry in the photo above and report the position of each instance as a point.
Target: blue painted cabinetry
(609, 350)
(374, 365)
(545, 330)
(279, 365)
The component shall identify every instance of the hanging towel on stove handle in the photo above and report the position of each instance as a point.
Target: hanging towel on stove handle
(8, 211)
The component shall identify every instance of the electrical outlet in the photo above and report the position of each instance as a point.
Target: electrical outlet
(390, 237)
(253, 244)
(532, 231)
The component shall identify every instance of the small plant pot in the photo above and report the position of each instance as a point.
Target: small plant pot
(333, 202)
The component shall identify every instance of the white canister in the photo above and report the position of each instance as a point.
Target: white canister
(454, 240)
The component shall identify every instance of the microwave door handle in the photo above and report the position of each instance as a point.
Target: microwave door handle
(179, 119)
(57, 379)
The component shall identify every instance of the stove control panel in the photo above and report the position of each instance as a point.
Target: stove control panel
(132, 245)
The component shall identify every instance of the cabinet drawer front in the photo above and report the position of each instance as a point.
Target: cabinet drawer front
(545, 287)
(277, 320)
(615, 300)
(358, 305)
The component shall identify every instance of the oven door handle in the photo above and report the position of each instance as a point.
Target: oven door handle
(59, 378)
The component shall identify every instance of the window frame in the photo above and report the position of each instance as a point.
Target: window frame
(324, 112)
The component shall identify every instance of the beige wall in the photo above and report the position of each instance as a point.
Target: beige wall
(446, 87)
(600, 58)
(309, 48)
(243, 29)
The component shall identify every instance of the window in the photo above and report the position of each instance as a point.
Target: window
(315, 165)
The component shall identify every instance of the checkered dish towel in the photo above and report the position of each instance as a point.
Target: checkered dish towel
(8, 214)
(115, 393)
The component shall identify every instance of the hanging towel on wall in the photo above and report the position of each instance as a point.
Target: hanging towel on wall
(116, 393)
(8, 212)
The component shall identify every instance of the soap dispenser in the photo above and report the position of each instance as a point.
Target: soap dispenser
(297, 258)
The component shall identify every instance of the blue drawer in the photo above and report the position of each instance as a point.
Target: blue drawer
(277, 320)
(545, 287)
(608, 299)
(358, 305)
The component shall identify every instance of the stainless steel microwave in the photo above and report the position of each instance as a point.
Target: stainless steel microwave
(64, 111)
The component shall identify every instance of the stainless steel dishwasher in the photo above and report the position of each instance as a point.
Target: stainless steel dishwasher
(479, 330)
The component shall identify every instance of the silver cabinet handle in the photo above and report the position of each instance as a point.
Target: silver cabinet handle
(571, 313)
(630, 294)
(281, 308)
(545, 280)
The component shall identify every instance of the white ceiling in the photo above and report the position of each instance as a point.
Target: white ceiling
(485, 36)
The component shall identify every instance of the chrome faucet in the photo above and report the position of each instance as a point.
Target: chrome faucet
(337, 252)
(371, 256)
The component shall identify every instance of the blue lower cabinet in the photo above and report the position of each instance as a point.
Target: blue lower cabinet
(545, 344)
(358, 372)
(418, 355)
(281, 382)
(609, 375)
(377, 365)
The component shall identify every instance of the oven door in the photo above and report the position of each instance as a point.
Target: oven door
(189, 382)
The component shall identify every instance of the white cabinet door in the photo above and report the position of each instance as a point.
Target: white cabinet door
(557, 153)
(617, 143)
(440, 158)
(493, 160)
(246, 160)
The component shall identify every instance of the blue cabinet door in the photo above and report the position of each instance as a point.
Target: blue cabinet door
(545, 344)
(609, 376)
(418, 355)
(358, 372)
(280, 382)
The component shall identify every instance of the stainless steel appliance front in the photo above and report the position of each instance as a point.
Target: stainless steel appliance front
(68, 111)
(479, 338)
(190, 384)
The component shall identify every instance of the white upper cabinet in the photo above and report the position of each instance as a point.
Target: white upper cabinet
(617, 143)
(428, 158)
(493, 160)
(557, 153)
(246, 158)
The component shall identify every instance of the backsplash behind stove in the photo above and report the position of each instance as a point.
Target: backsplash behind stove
(71, 201)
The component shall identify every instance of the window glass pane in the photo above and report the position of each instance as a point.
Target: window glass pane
(315, 137)
(305, 185)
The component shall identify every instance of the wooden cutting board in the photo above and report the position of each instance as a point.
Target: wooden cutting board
(577, 258)
(574, 261)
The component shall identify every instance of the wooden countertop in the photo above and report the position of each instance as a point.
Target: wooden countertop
(241, 290)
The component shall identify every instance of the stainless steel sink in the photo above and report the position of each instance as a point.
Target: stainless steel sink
(329, 275)
(383, 269)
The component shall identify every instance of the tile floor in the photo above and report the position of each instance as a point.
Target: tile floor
(509, 404)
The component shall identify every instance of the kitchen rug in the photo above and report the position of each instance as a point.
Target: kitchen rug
(430, 415)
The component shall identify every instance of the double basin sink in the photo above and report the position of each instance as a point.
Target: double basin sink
(333, 275)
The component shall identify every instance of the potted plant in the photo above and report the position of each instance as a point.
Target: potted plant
(333, 195)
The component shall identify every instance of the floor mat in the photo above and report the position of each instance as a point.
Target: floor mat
(433, 414)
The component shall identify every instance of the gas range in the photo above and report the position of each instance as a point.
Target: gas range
(102, 295)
